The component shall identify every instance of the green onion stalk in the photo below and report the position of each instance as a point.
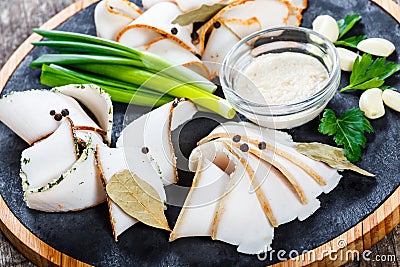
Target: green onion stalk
(173, 88)
(54, 76)
(150, 60)
(127, 74)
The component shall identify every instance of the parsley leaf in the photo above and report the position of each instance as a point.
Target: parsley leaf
(368, 73)
(347, 23)
(347, 130)
(351, 41)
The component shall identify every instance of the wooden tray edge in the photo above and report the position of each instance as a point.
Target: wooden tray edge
(26, 242)
(391, 7)
(359, 238)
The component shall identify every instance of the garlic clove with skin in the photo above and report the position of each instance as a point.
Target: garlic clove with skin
(391, 99)
(377, 47)
(327, 26)
(372, 104)
(347, 58)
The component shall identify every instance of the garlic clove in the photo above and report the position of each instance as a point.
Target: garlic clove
(327, 26)
(391, 99)
(377, 47)
(372, 104)
(347, 58)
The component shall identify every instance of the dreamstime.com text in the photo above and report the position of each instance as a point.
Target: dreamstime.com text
(332, 255)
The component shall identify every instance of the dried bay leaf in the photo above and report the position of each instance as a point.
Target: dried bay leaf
(202, 14)
(330, 155)
(137, 198)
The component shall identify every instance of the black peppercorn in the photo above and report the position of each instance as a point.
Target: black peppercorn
(52, 112)
(262, 145)
(194, 35)
(174, 31)
(65, 112)
(236, 138)
(58, 117)
(145, 150)
(244, 147)
(217, 24)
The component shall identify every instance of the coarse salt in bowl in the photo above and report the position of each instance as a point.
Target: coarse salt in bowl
(281, 109)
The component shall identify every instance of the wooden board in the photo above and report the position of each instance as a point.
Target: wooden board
(360, 237)
(27, 243)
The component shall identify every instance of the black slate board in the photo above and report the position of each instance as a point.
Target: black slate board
(87, 236)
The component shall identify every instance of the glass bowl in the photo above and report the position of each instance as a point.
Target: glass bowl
(279, 40)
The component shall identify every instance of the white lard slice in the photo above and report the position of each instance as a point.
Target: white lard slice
(197, 215)
(153, 131)
(114, 160)
(109, 22)
(221, 40)
(300, 4)
(252, 130)
(77, 189)
(214, 152)
(253, 16)
(96, 100)
(302, 181)
(172, 51)
(49, 158)
(149, 3)
(283, 144)
(284, 203)
(145, 28)
(295, 14)
(241, 220)
(330, 176)
(125, 7)
(27, 113)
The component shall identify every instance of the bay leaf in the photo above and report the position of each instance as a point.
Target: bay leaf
(202, 14)
(137, 198)
(330, 155)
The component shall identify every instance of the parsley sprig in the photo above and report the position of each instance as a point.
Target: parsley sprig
(368, 73)
(345, 25)
(347, 130)
(351, 41)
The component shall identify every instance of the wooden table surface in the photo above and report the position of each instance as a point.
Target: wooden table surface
(17, 18)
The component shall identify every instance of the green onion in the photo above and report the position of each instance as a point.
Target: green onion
(79, 47)
(71, 36)
(118, 69)
(161, 84)
(149, 60)
(57, 76)
(127, 74)
(99, 80)
(69, 59)
(78, 59)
